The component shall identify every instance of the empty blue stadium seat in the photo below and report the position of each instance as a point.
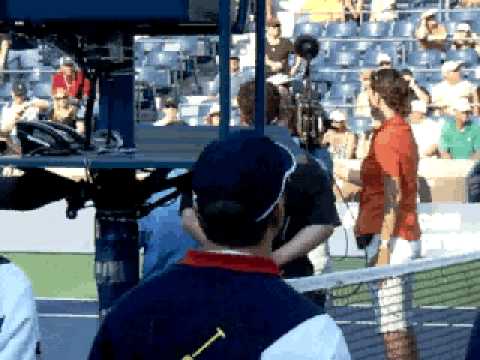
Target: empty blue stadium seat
(362, 46)
(468, 56)
(346, 76)
(375, 29)
(344, 90)
(42, 90)
(425, 58)
(330, 104)
(344, 59)
(6, 91)
(342, 29)
(359, 124)
(308, 28)
(323, 73)
(415, 18)
(30, 58)
(404, 28)
(145, 45)
(163, 59)
(464, 16)
(372, 54)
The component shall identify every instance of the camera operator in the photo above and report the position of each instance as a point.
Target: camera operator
(311, 215)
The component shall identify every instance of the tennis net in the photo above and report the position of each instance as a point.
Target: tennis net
(438, 298)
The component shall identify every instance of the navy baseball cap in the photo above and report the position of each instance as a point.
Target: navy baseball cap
(246, 168)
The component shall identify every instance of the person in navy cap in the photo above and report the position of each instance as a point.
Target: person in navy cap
(226, 300)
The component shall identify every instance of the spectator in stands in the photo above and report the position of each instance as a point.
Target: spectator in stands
(469, 3)
(4, 45)
(425, 131)
(332, 10)
(453, 87)
(237, 78)
(21, 108)
(171, 117)
(363, 141)
(241, 208)
(464, 38)
(430, 33)
(277, 51)
(213, 117)
(388, 219)
(63, 111)
(19, 330)
(362, 104)
(76, 85)
(383, 10)
(384, 61)
(341, 142)
(460, 138)
(416, 92)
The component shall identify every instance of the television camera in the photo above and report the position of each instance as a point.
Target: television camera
(312, 121)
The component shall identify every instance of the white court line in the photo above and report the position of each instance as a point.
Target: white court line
(68, 316)
(347, 322)
(427, 307)
(65, 299)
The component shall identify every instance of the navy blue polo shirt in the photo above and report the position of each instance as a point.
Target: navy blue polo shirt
(217, 306)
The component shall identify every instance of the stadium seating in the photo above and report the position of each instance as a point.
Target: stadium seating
(359, 124)
(347, 29)
(425, 58)
(5, 91)
(403, 28)
(345, 59)
(375, 29)
(468, 56)
(42, 90)
(313, 29)
(344, 90)
(464, 16)
(163, 59)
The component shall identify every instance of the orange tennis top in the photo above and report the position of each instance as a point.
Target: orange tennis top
(393, 151)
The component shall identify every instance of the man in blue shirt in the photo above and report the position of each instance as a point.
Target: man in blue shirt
(228, 300)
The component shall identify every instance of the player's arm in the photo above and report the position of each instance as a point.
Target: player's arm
(321, 220)
(391, 209)
(302, 243)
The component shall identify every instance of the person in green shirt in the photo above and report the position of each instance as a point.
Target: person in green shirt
(460, 137)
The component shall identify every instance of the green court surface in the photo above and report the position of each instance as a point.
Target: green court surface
(72, 276)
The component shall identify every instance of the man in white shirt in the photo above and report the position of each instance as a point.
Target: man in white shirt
(452, 88)
(19, 331)
(20, 108)
(425, 131)
(383, 10)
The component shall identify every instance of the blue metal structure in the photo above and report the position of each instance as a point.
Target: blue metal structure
(100, 36)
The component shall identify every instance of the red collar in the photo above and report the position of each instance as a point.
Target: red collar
(242, 263)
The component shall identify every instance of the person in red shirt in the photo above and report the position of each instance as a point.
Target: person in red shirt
(388, 214)
(73, 81)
